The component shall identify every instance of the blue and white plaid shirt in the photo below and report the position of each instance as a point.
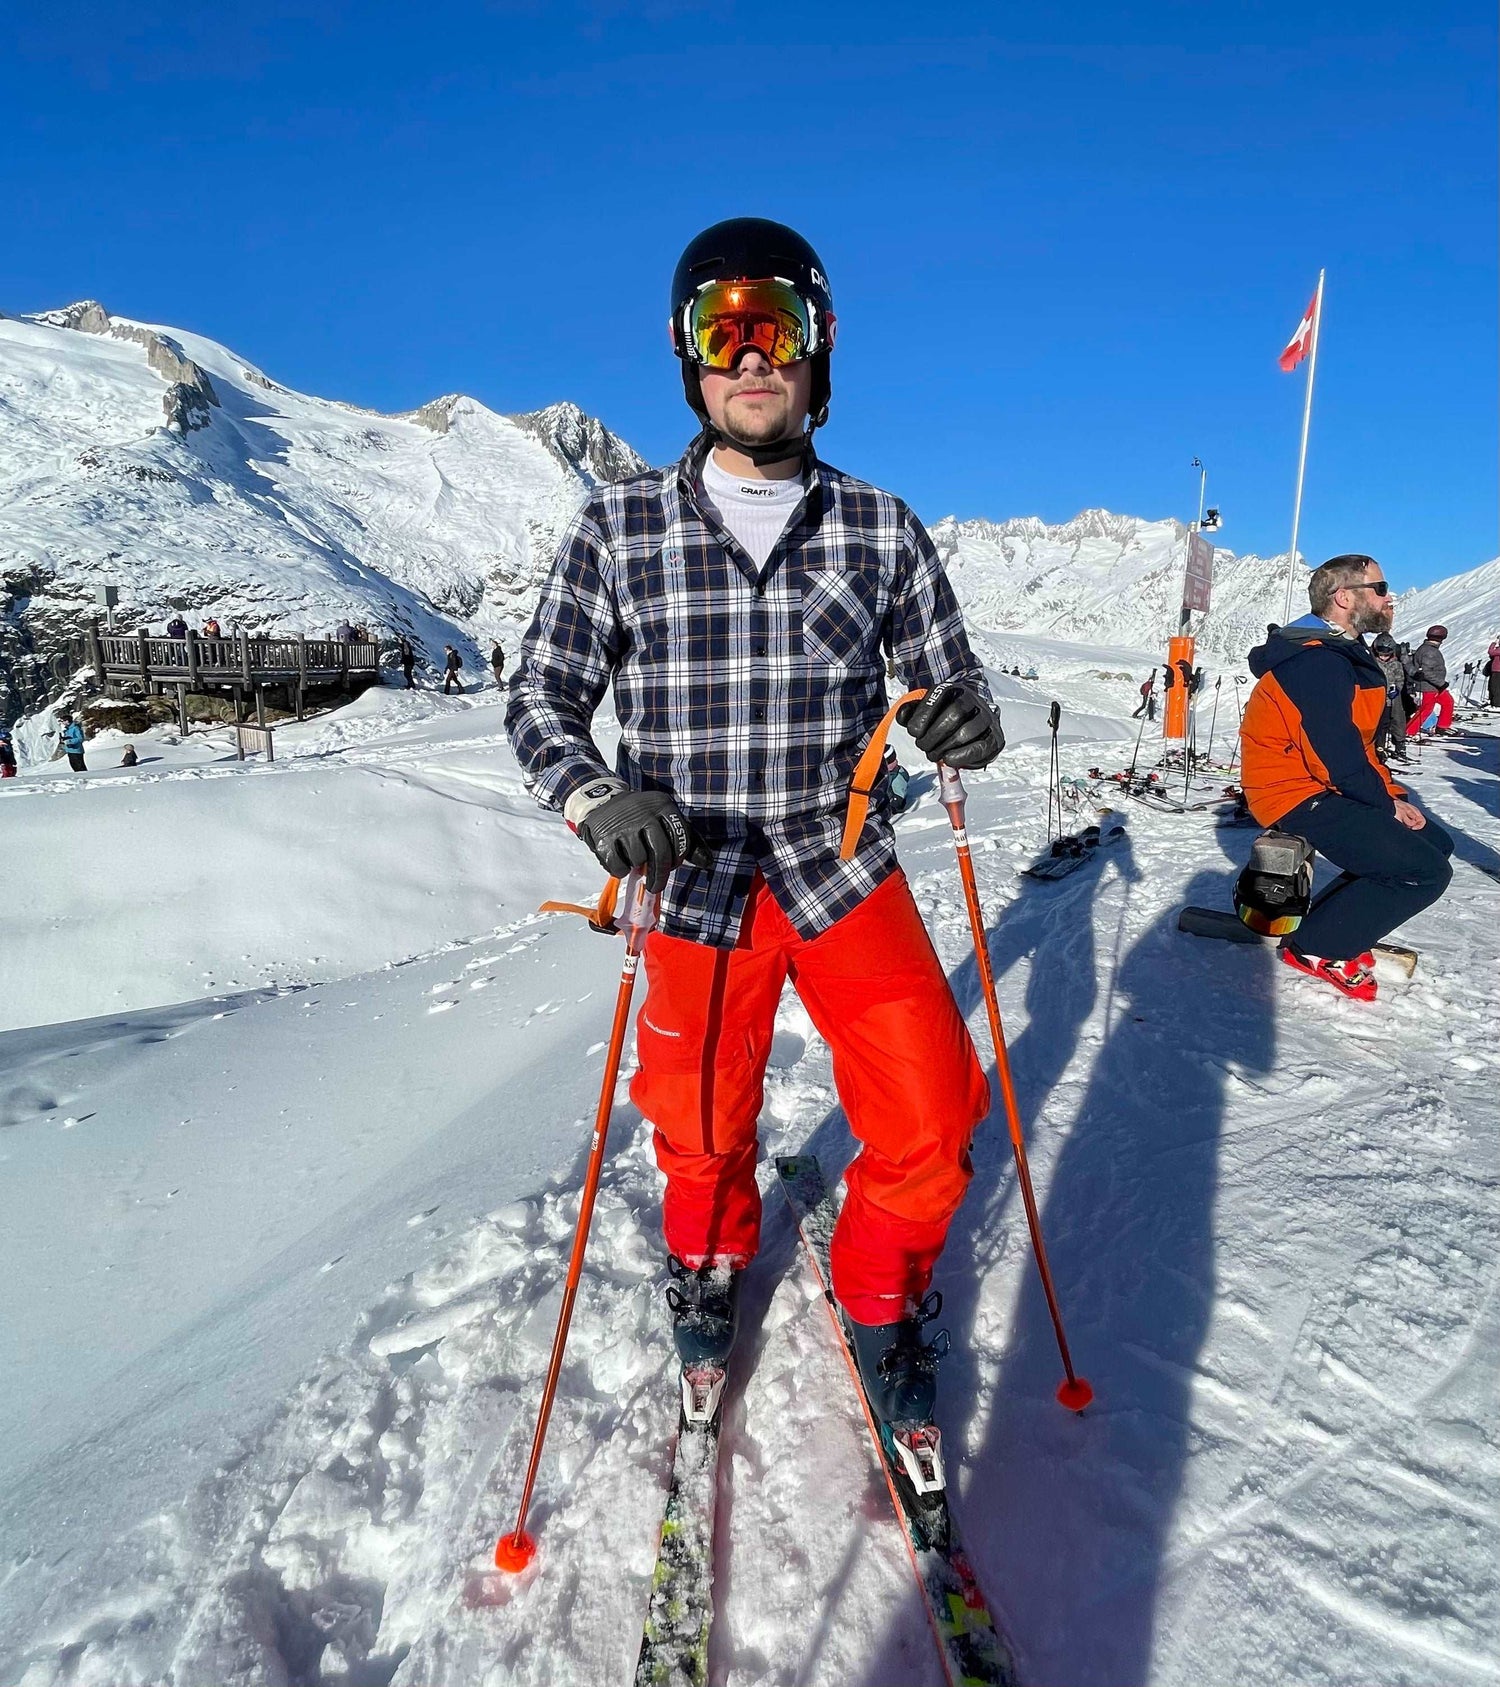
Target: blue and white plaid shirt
(747, 693)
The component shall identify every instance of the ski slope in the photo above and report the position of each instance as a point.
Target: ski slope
(283, 1252)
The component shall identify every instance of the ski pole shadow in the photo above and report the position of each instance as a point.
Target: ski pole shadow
(1077, 1530)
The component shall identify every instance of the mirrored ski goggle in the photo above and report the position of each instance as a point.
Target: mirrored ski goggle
(725, 318)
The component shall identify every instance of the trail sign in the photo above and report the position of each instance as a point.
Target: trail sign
(1198, 586)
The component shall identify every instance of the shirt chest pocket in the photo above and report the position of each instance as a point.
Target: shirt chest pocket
(843, 611)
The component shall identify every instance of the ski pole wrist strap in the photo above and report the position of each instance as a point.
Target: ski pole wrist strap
(601, 917)
(866, 772)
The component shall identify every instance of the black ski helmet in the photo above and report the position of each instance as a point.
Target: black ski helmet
(753, 249)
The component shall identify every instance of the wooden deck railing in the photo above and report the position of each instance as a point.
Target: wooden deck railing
(243, 664)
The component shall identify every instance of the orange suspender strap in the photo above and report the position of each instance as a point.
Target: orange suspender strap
(601, 917)
(862, 786)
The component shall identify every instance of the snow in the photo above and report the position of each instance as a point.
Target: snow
(291, 1145)
(1468, 605)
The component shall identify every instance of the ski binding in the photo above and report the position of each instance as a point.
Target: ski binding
(919, 1447)
(702, 1389)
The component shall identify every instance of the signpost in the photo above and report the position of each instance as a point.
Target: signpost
(1198, 587)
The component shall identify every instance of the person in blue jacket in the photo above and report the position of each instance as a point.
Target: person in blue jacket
(72, 742)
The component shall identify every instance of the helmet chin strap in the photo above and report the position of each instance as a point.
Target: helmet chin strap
(773, 451)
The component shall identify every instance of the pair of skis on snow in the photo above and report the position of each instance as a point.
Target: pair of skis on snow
(674, 1649)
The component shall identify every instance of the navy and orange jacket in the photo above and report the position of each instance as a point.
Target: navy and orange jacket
(1310, 723)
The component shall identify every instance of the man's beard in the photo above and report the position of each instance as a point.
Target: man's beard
(1378, 618)
(760, 427)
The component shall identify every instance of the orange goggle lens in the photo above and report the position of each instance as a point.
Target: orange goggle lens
(728, 317)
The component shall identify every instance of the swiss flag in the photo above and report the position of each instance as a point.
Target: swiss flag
(1301, 342)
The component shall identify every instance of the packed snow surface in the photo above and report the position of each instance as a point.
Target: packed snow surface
(290, 1145)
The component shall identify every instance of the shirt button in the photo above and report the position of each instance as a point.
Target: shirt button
(760, 650)
(760, 714)
(760, 591)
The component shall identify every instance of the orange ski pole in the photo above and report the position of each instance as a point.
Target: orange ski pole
(1073, 1392)
(515, 1551)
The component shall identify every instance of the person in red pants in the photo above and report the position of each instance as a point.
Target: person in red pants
(741, 604)
(1430, 673)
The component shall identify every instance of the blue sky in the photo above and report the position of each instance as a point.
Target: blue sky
(1066, 242)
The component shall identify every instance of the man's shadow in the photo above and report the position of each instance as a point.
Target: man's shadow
(1053, 922)
(1072, 1517)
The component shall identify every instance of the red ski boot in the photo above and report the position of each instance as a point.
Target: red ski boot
(1355, 977)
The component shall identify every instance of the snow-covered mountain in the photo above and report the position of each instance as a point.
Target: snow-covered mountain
(1467, 604)
(165, 464)
(1107, 579)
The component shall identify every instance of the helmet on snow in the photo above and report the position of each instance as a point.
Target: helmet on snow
(755, 249)
(1438, 632)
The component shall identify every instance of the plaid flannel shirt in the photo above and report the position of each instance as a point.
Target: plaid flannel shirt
(746, 693)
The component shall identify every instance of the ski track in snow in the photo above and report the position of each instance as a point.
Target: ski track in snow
(1274, 1219)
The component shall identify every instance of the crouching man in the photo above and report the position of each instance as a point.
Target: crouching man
(1308, 742)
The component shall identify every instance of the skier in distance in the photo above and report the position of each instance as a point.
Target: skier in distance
(740, 602)
(1310, 768)
(1430, 677)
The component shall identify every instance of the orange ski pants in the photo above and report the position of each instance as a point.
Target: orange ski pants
(905, 1067)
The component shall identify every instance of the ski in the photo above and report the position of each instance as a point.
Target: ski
(1067, 854)
(974, 1652)
(1229, 928)
(674, 1644)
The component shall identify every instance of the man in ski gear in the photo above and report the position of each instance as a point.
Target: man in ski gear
(7, 755)
(407, 658)
(452, 663)
(72, 743)
(1390, 735)
(741, 603)
(1430, 672)
(1310, 768)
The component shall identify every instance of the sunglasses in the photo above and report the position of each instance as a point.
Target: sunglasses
(1379, 587)
(725, 318)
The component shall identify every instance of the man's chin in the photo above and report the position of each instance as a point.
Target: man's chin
(767, 432)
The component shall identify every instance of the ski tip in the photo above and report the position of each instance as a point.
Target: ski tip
(514, 1552)
(1074, 1393)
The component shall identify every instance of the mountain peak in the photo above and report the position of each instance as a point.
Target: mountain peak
(581, 442)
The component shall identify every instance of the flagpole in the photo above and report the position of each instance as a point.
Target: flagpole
(1312, 369)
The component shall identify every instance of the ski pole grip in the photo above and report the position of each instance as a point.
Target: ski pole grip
(950, 785)
(638, 912)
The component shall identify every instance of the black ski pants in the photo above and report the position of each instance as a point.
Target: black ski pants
(1389, 873)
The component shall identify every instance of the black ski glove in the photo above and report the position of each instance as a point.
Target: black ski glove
(641, 829)
(954, 724)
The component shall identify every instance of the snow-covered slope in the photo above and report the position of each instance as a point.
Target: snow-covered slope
(1106, 579)
(1467, 604)
(282, 1266)
(165, 464)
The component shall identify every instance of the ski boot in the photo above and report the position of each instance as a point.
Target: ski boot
(899, 1373)
(705, 1306)
(1354, 978)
